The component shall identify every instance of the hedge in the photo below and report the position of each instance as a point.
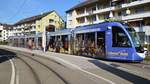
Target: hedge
(3, 42)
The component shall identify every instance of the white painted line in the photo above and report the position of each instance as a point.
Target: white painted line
(12, 81)
(17, 78)
(75, 66)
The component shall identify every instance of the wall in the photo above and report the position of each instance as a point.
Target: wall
(42, 23)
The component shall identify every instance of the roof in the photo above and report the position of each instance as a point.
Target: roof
(61, 32)
(6, 26)
(87, 2)
(96, 27)
(33, 18)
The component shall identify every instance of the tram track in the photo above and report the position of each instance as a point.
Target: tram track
(23, 57)
(31, 69)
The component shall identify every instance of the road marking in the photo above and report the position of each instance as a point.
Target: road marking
(12, 81)
(17, 78)
(100, 77)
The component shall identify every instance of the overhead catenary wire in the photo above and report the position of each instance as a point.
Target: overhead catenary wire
(19, 10)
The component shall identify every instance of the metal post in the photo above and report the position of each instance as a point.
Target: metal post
(36, 41)
(69, 39)
(96, 40)
(44, 39)
(25, 42)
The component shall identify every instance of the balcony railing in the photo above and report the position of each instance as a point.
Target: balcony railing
(135, 16)
(134, 3)
(90, 22)
(108, 8)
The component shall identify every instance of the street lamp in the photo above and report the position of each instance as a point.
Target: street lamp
(128, 11)
(111, 14)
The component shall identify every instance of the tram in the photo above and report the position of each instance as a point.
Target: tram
(60, 41)
(107, 40)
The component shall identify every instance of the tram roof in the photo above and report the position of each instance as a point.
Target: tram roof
(96, 27)
(61, 32)
(16, 37)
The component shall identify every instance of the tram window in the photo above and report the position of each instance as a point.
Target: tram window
(80, 40)
(100, 39)
(65, 42)
(120, 38)
(90, 40)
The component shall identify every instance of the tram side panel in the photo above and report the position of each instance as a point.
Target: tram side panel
(90, 44)
(60, 44)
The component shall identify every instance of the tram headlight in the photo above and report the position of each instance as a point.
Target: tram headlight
(109, 28)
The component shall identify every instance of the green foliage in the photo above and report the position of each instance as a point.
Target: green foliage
(113, 20)
(147, 46)
(3, 42)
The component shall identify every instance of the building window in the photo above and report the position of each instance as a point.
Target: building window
(38, 26)
(70, 14)
(94, 18)
(81, 20)
(80, 11)
(140, 10)
(106, 16)
(101, 17)
(70, 22)
(51, 20)
(93, 8)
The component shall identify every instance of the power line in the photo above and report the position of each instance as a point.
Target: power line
(20, 8)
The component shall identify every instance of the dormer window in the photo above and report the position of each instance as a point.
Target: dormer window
(51, 20)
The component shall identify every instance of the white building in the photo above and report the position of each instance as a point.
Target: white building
(5, 31)
(135, 12)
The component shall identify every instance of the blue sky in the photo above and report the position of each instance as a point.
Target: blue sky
(12, 11)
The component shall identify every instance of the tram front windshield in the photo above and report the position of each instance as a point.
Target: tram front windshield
(135, 39)
(134, 36)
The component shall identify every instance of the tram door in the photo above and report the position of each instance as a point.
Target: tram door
(91, 44)
(100, 47)
(118, 44)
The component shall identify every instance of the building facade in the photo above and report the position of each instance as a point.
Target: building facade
(5, 31)
(135, 12)
(36, 24)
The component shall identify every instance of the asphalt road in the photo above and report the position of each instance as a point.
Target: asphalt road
(32, 69)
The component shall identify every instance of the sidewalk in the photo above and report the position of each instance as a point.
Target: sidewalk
(65, 59)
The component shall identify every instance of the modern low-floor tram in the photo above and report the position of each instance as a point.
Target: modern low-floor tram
(108, 40)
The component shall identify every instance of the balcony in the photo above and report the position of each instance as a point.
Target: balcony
(90, 22)
(136, 16)
(87, 13)
(147, 30)
(135, 3)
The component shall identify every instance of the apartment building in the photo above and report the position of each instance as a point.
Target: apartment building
(5, 30)
(135, 12)
(36, 24)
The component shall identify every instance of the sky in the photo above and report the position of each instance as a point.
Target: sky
(12, 11)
